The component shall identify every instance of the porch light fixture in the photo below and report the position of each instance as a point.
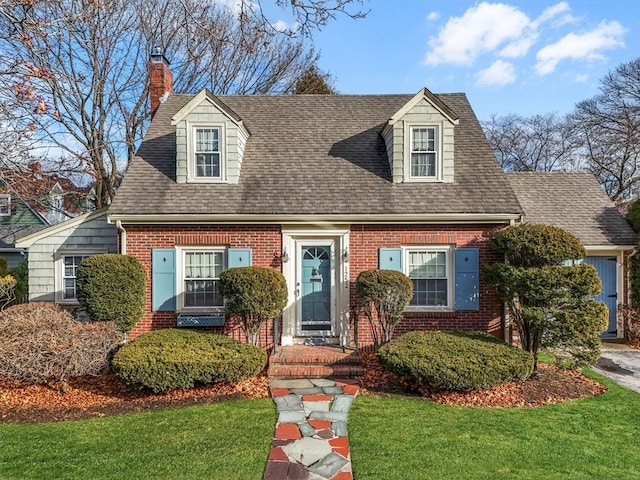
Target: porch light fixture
(284, 256)
(345, 255)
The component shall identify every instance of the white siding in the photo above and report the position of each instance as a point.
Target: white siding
(94, 235)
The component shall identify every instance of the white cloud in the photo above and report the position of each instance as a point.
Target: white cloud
(482, 28)
(498, 74)
(580, 78)
(586, 46)
(551, 12)
(519, 48)
(280, 26)
(433, 16)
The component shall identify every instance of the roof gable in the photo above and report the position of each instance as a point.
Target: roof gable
(206, 96)
(435, 102)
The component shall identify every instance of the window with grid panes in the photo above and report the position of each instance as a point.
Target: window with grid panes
(70, 266)
(201, 276)
(207, 152)
(428, 270)
(424, 152)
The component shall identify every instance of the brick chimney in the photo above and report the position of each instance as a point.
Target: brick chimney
(160, 79)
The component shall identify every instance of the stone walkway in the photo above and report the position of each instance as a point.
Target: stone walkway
(620, 363)
(310, 440)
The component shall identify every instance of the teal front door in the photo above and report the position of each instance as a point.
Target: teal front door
(606, 266)
(316, 290)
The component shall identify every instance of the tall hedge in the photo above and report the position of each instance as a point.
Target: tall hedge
(254, 294)
(383, 295)
(112, 287)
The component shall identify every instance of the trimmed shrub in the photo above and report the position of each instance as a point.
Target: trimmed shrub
(111, 288)
(170, 358)
(534, 245)
(383, 295)
(254, 294)
(41, 342)
(456, 360)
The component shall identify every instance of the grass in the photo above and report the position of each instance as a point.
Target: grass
(405, 438)
(391, 437)
(227, 440)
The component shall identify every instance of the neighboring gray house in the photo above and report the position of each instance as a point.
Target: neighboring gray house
(56, 251)
(574, 201)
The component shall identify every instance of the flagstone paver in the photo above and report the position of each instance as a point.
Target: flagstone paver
(310, 440)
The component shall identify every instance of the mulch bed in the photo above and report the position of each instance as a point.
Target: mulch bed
(98, 396)
(549, 385)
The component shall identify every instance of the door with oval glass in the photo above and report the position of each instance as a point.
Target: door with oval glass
(315, 288)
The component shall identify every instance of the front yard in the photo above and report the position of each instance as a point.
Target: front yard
(392, 437)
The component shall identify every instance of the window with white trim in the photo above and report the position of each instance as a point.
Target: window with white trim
(5, 204)
(69, 269)
(207, 153)
(429, 269)
(424, 152)
(200, 278)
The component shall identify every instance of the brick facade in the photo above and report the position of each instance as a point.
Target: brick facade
(365, 240)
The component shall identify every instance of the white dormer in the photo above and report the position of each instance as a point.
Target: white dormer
(419, 139)
(210, 141)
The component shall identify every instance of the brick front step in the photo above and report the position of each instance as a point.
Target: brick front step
(324, 355)
(314, 371)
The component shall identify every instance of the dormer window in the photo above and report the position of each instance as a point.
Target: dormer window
(5, 205)
(206, 153)
(424, 152)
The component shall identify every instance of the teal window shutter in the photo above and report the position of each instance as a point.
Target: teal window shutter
(163, 280)
(239, 257)
(467, 279)
(390, 259)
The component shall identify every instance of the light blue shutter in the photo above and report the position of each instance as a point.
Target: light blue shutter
(163, 280)
(239, 257)
(390, 259)
(467, 279)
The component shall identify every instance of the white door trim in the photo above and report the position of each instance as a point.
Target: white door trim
(339, 235)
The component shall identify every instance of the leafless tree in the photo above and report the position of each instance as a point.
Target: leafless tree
(538, 143)
(609, 124)
(73, 72)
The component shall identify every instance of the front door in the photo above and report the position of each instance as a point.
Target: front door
(606, 266)
(316, 289)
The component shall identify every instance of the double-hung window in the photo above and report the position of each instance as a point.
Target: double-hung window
(5, 205)
(430, 272)
(424, 153)
(69, 269)
(201, 276)
(208, 157)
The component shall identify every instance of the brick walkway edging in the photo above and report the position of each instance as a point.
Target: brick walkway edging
(310, 440)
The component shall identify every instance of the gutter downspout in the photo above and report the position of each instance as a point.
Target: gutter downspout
(123, 237)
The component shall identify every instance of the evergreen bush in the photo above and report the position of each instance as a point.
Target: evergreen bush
(169, 359)
(254, 294)
(112, 287)
(456, 360)
(383, 296)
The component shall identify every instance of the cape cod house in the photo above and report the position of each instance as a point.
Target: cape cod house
(323, 187)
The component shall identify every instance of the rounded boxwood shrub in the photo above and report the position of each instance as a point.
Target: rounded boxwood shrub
(111, 287)
(456, 360)
(169, 359)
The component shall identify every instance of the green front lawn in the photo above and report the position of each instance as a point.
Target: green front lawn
(226, 440)
(391, 438)
(408, 438)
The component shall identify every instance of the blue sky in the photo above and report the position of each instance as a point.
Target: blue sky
(520, 56)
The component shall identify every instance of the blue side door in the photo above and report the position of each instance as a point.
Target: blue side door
(315, 289)
(606, 267)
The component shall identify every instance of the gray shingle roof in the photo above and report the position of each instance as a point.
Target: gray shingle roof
(315, 154)
(573, 201)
